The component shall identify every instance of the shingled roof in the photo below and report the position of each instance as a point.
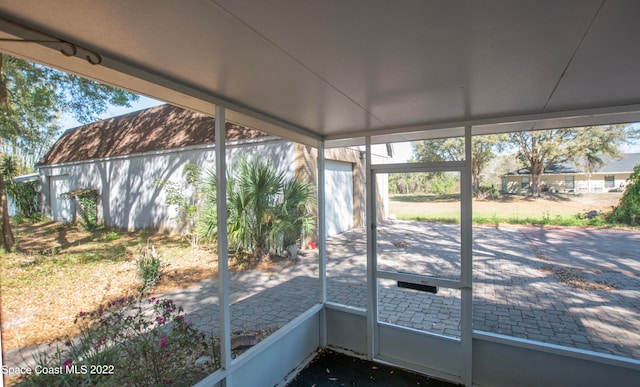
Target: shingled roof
(625, 164)
(158, 128)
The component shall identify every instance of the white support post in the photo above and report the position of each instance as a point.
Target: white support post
(322, 246)
(467, 259)
(372, 285)
(223, 258)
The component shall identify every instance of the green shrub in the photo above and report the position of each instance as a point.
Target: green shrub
(24, 198)
(628, 209)
(488, 192)
(186, 197)
(443, 183)
(23, 194)
(150, 267)
(111, 236)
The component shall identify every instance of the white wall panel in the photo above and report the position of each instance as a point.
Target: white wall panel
(338, 196)
(130, 197)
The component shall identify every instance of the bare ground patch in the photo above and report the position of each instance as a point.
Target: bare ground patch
(58, 271)
(507, 206)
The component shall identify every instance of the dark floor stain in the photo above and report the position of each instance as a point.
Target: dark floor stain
(330, 368)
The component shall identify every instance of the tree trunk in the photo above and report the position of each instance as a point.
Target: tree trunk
(535, 185)
(536, 174)
(475, 185)
(475, 178)
(5, 227)
(4, 93)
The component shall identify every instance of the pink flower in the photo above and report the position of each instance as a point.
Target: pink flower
(67, 363)
(160, 320)
(163, 341)
(100, 342)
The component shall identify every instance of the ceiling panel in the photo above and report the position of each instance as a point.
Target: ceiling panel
(199, 45)
(339, 68)
(416, 61)
(606, 68)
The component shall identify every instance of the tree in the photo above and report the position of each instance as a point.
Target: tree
(5, 228)
(484, 149)
(539, 150)
(32, 98)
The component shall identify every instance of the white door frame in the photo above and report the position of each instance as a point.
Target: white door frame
(457, 366)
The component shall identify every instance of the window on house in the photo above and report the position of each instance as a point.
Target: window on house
(609, 182)
(569, 183)
(524, 184)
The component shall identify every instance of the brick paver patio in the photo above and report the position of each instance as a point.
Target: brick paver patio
(521, 285)
(521, 282)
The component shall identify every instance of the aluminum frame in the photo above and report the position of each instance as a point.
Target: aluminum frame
(463, 374)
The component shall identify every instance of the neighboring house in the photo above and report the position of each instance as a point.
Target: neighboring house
(123, 157)
(612, 176)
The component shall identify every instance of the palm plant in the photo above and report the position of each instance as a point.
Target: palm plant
(265, 209)
(260, 186)
(207, 224)
(293, 212)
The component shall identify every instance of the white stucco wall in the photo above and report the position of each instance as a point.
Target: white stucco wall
(129, 195)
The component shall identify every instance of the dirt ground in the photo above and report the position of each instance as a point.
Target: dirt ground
(509, 206)
(59, 271)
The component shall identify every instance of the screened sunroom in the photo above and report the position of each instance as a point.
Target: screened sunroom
(365, 76)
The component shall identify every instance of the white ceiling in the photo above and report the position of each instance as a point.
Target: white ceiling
(334, 69)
